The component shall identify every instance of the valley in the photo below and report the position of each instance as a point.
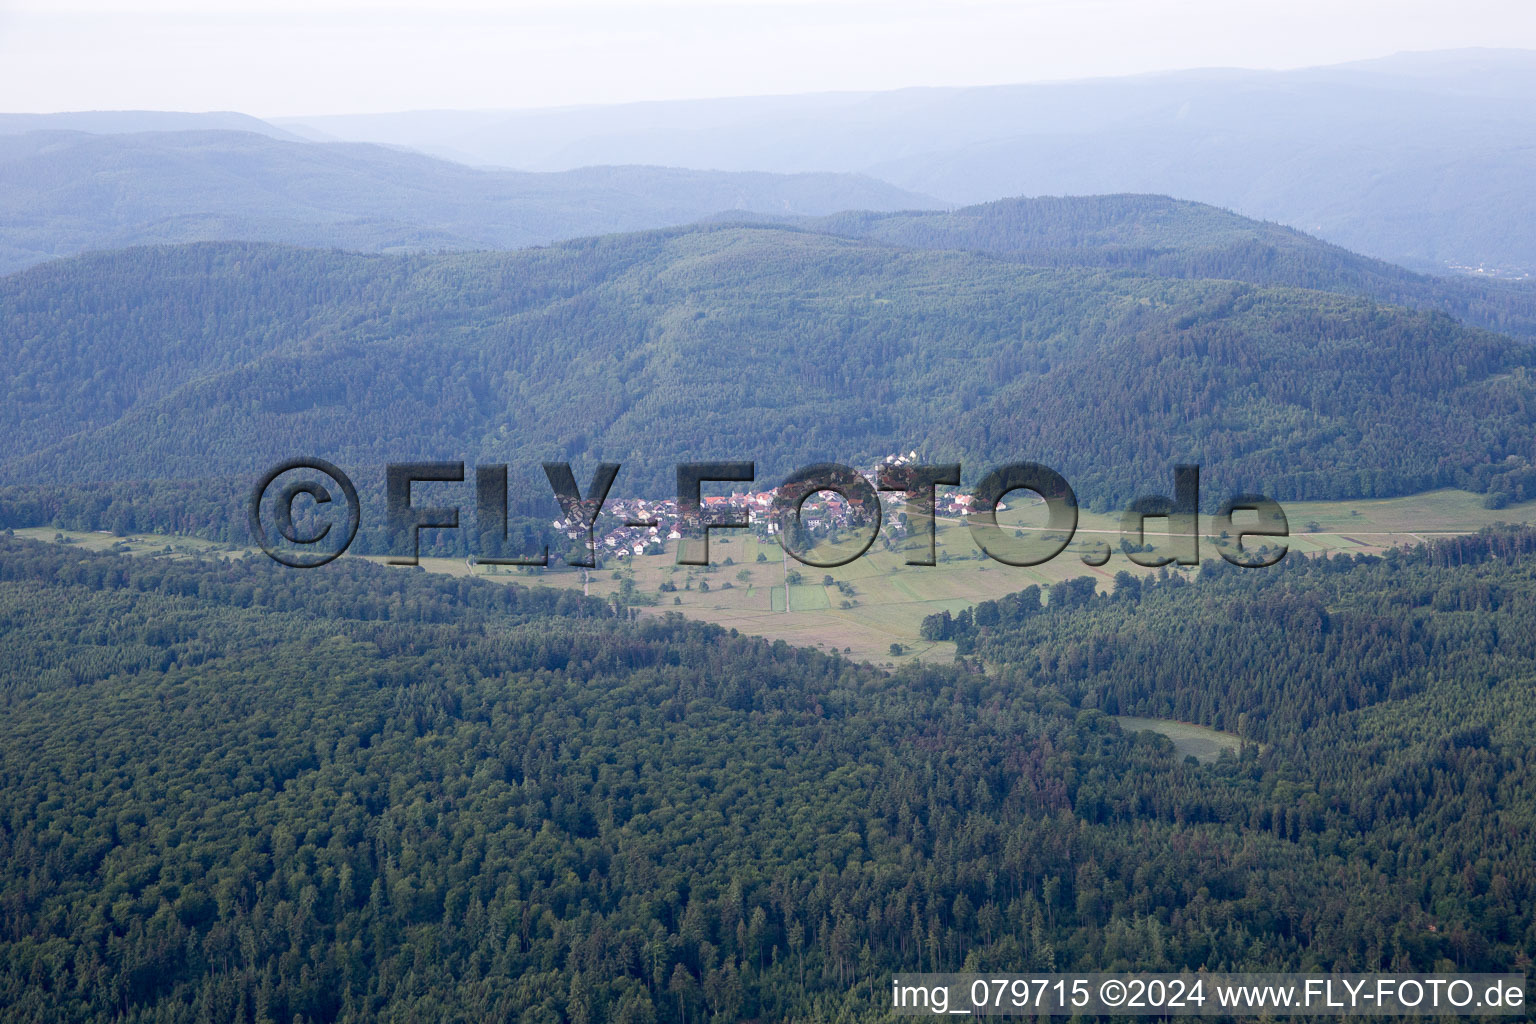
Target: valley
(254, 771)
(890, 599)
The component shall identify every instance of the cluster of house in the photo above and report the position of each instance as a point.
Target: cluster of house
(641, 526)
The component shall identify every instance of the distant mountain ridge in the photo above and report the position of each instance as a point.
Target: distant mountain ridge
(128, 122)
(67, 192)
(1423, 159)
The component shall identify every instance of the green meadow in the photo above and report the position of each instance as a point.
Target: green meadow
(1203, 744)
(890, 599)
(744, 587)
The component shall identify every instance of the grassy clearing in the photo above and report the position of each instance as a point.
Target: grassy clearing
(890, 598)
(1204, 745)
(135, 544)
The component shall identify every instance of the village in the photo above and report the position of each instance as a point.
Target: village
(619, 534)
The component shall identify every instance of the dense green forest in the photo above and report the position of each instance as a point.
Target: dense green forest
(234, 792)
(1164, 237)
(778, 345)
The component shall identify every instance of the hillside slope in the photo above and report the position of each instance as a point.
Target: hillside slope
(776, 345)
(1149, 234)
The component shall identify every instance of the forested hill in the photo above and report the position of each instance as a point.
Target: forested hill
(1421, 158)
(1149, 234)
(65, 192)
(238, 793)
(778, 345)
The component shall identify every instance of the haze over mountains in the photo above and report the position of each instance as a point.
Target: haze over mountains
(124, 122)
(1102, 334)
(1423, 159)
(981, 329)
(63, 192)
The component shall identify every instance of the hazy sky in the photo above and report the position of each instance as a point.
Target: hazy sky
(331, 56)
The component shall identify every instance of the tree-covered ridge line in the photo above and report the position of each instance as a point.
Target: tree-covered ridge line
(234, 792)
(63, 192)
(1421, 157)
(781, 346)
(1164, 237)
